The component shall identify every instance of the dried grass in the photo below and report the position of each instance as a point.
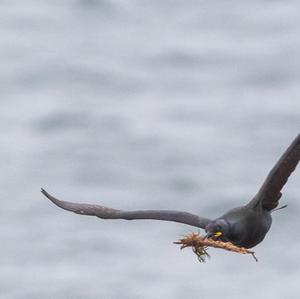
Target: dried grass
(200, 245)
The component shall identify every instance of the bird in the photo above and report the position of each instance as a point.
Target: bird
(244, 226)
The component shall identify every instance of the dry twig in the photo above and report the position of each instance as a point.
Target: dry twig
(200, 245)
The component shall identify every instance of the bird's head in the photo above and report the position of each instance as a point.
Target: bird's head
(218, 229)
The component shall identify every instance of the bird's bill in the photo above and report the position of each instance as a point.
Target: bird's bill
(213, 234)
(217, 234)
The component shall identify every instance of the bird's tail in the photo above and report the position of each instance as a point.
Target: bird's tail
(280, 208)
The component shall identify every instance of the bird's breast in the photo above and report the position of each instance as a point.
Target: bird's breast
(252, 229)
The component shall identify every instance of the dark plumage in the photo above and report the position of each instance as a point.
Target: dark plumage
(244, 226)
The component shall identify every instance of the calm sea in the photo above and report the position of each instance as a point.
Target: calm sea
(144, 105)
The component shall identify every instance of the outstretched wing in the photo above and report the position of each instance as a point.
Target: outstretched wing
(269, 194)
(108, 213)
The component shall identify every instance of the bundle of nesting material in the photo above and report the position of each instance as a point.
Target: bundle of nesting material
(200, 245)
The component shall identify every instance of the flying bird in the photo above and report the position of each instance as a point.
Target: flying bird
(244, 226)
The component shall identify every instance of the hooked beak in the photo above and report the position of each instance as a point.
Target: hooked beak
(211, 234)
(217, 234)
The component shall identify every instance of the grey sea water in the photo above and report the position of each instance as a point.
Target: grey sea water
(144, 104)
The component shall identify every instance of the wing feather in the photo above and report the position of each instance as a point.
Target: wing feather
(109, 213)
(270, 192)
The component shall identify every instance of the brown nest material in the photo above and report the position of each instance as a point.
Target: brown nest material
(200, 245)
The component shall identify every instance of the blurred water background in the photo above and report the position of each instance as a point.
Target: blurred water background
(144, 104)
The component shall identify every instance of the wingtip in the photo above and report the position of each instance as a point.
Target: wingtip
(44, 192)
(50, 197)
